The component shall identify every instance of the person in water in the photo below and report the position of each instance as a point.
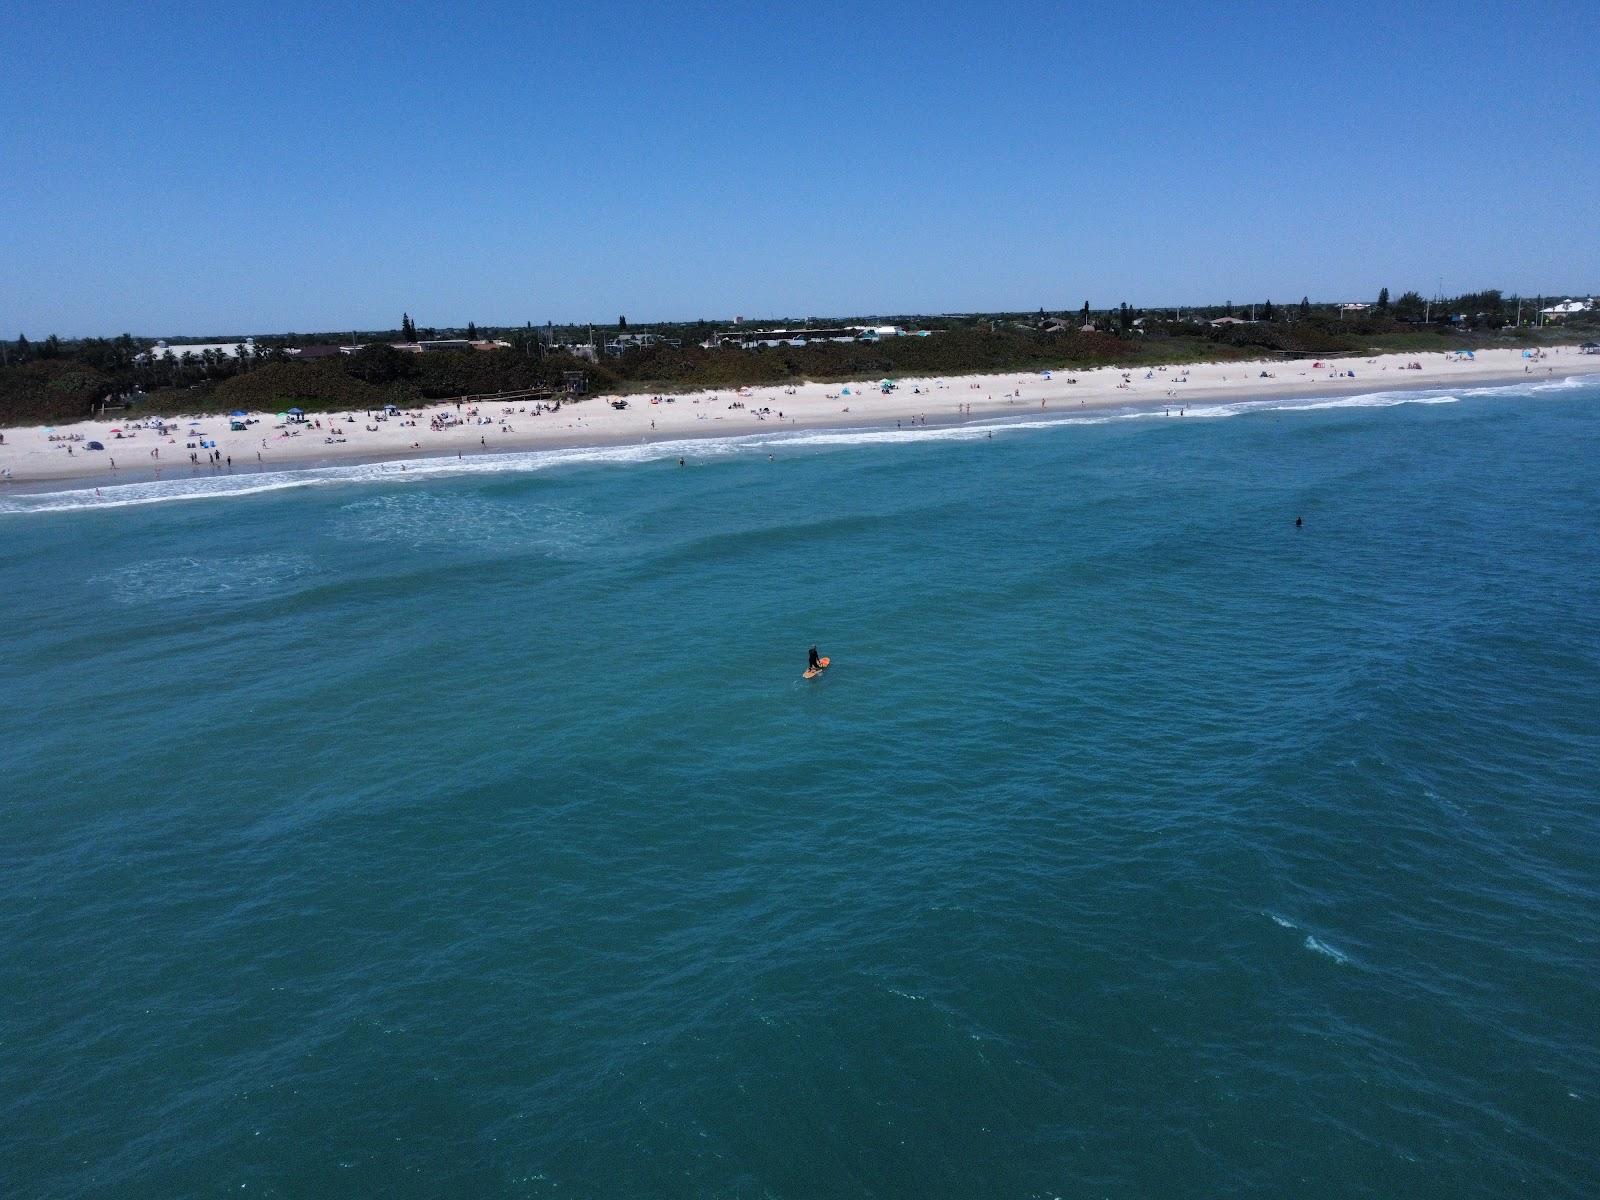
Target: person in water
(814, 663)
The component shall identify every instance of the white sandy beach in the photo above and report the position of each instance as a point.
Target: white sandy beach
(42, 454)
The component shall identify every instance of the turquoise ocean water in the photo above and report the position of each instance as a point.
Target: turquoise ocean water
(473, 833)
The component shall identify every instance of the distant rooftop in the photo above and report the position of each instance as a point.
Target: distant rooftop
(230, 349)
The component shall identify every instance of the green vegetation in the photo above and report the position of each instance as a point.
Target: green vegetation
(58, 381)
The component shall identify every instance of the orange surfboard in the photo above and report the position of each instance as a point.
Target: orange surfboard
(813, 672)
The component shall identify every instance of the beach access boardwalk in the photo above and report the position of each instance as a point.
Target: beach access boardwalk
(542, 393)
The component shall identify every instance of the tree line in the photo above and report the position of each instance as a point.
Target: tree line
(57, 380)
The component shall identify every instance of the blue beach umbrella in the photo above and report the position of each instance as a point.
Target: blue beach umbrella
(297, 412)
(238, 412)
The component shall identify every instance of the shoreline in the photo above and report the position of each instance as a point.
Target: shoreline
(38, 463)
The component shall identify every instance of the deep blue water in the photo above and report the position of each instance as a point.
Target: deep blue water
(475, 835)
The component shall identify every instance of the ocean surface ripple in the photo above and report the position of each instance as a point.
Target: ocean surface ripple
(473, 833)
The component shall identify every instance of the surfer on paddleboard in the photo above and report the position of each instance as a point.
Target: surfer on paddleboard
(813, 663)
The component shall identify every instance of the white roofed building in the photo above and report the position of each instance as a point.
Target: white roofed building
(161, 350)
(1566, 308)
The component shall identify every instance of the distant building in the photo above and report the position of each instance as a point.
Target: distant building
(1230, 321)
(624, 342)
(751, 339)
(434, 345)
(1567, 308)
(161, 350)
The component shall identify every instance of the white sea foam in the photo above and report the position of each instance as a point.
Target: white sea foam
(225, 486)
(1338, 956)
(975, 431)
(1564, 384)
(1364, 400)
(1283, 921)
(1533, 386)
(163, 579)
(429, 519)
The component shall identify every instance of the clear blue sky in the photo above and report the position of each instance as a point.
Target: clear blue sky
(187, 169)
